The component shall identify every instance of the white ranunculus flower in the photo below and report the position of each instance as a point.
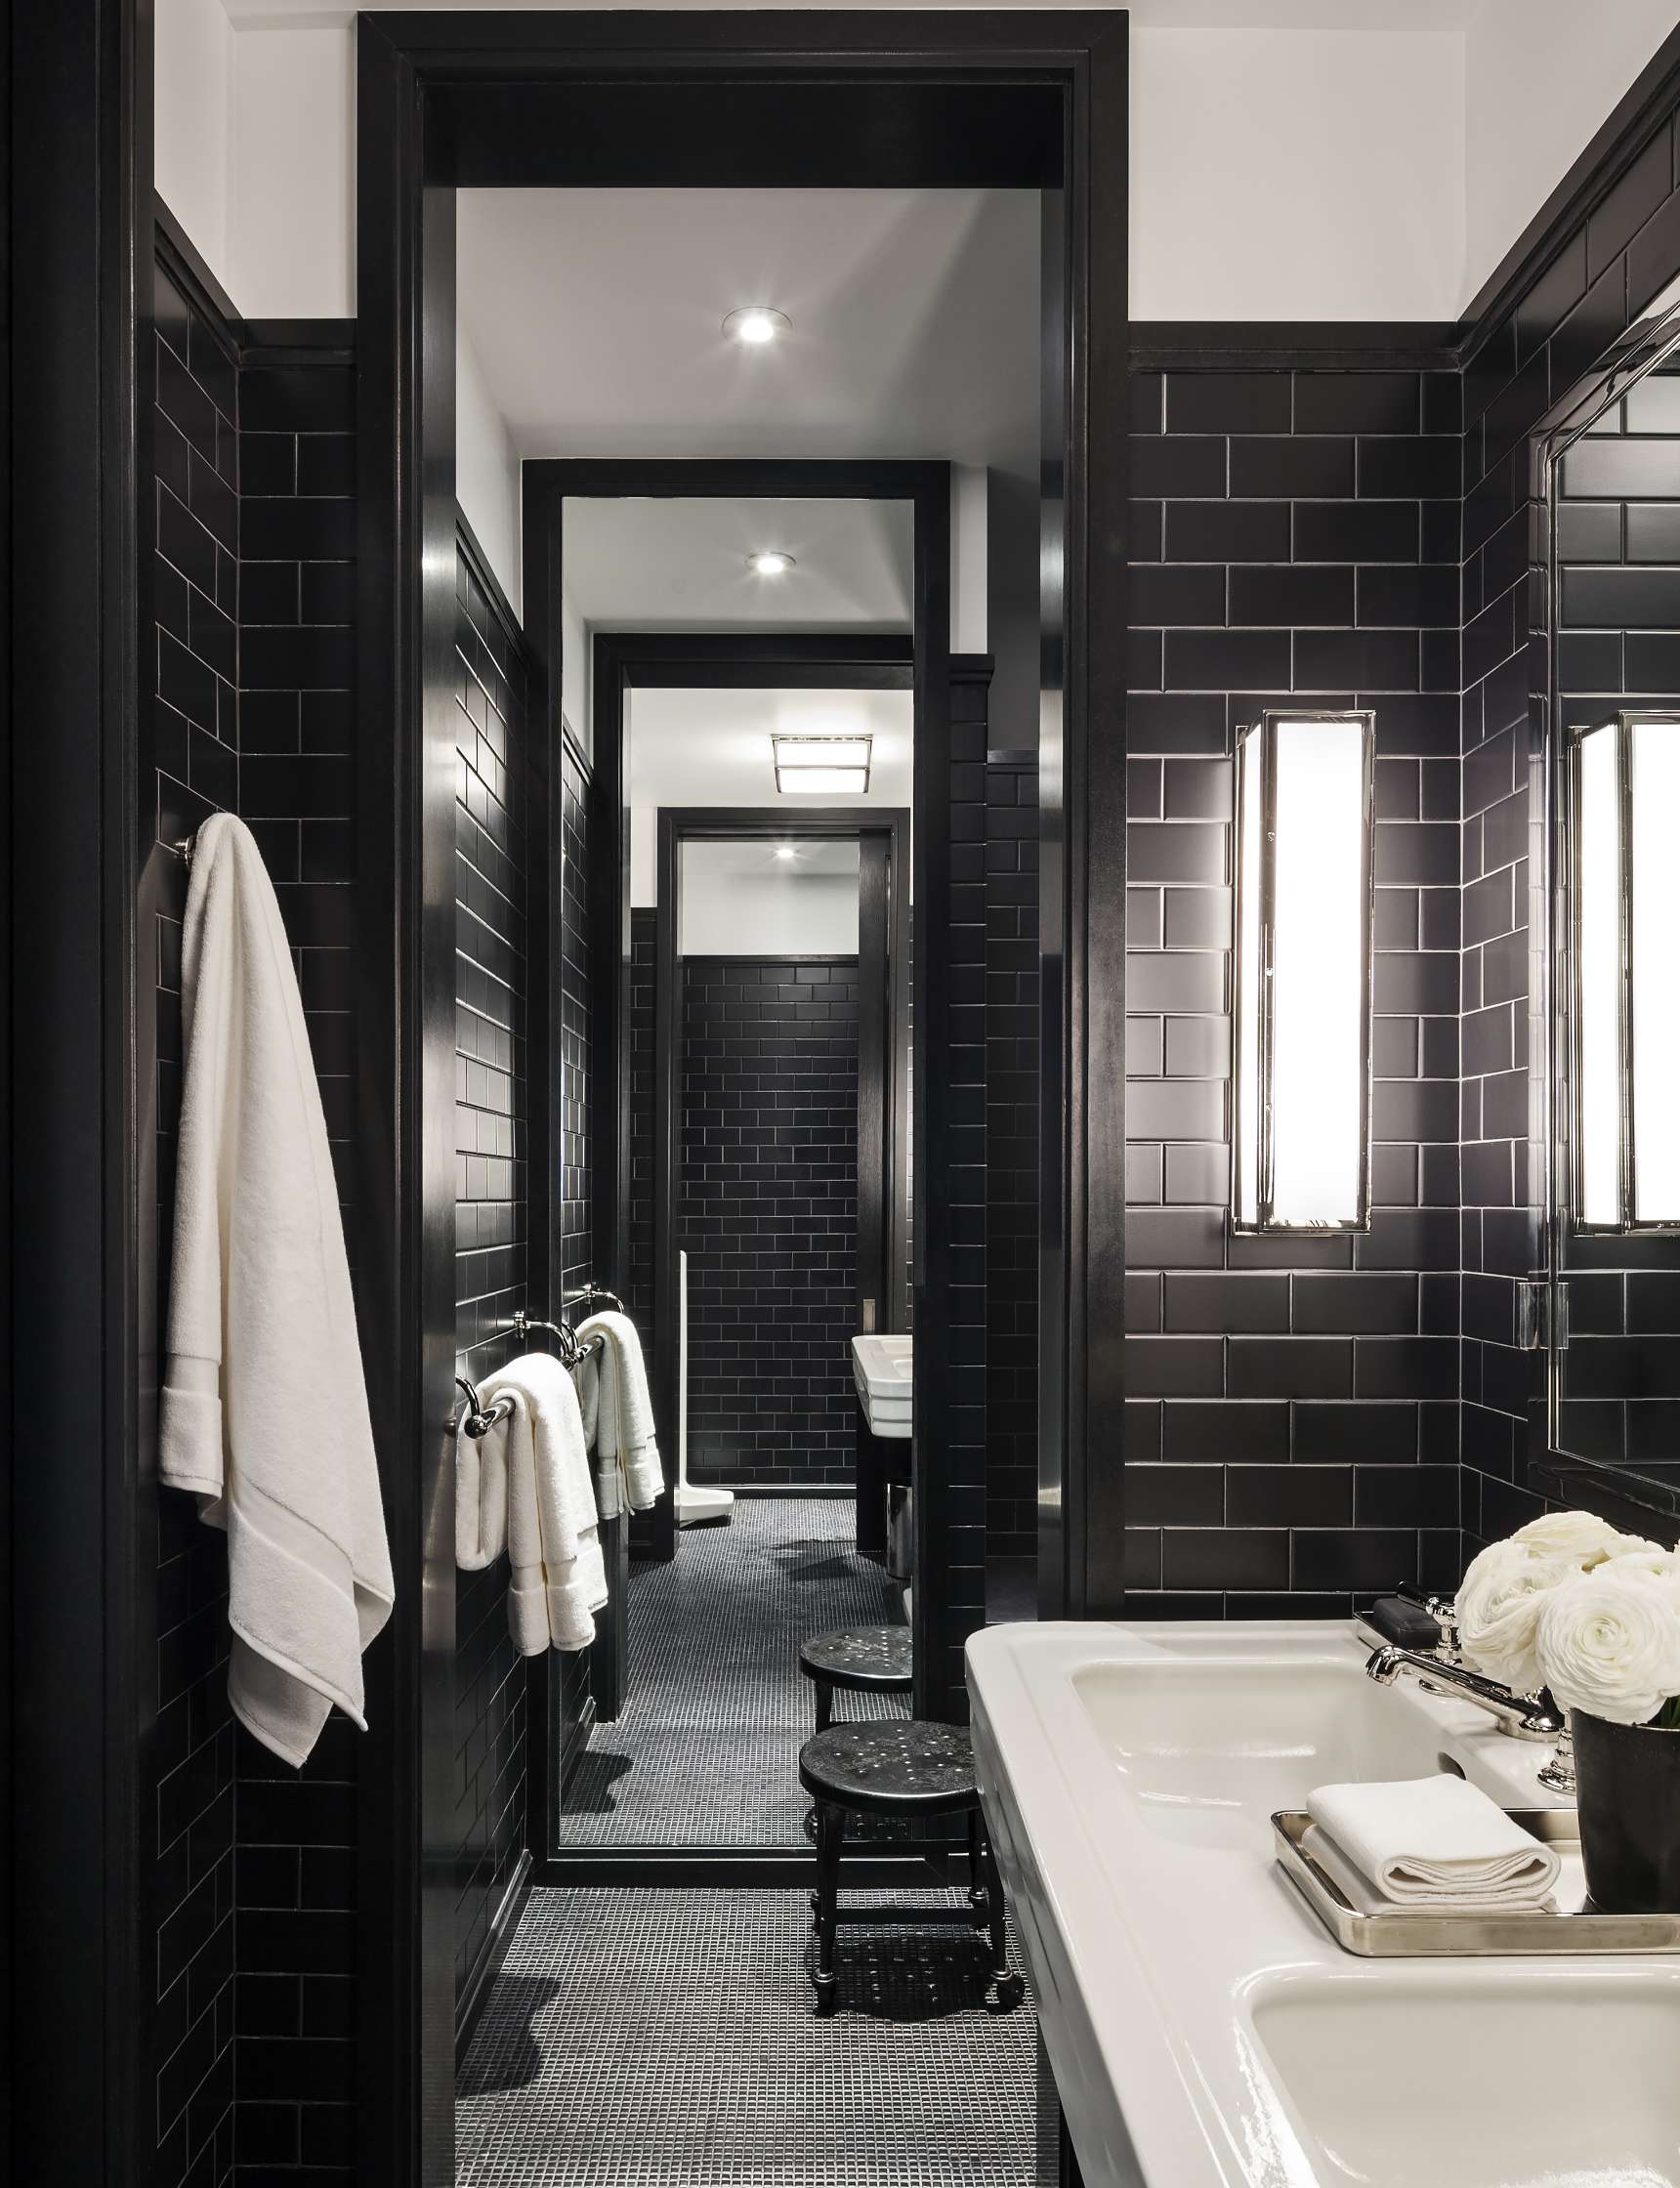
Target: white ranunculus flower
(1610, 1647)
(1498, 1608)
(1652, 1564)
(1580, 1537)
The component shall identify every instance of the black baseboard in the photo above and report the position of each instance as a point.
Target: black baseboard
(470, 2006)
(745, 1492)
(748, 1867)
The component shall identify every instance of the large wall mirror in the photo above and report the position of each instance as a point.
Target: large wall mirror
(1609, 1069)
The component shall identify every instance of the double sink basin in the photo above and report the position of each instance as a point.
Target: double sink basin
(1205, 2029)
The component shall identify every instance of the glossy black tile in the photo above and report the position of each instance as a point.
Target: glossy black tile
(1227, 403)
(1291, 468)
(1229, 531)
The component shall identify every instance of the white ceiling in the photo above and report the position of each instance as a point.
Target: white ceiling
(681, 566)
(596, 316)
(712, 749)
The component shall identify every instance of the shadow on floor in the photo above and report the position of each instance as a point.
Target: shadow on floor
(509, 2062)
(824, 1569)
(589, 1789)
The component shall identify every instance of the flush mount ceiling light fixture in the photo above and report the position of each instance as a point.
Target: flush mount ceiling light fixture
(771, 563)
(1625, 891)
(756, 324)
(823, 766)
(1304, 834)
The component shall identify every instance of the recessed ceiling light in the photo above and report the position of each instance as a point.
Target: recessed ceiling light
(822, 766)
(785, 851)
(756, 324)
(772, 563)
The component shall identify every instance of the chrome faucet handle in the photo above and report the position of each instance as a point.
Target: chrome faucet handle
(1527, 1716)
(1443, 1610)
(1558, 1772)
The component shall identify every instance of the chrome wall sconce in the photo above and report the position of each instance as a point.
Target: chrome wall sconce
(1305, 837)
(1624, 929)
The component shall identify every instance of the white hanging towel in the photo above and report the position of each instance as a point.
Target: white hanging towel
(480, 1494)
(264, 1409)
(533, 1498)
(619, 1413)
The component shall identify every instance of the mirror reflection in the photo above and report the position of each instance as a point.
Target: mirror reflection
(1614, 1353)
(768, 812)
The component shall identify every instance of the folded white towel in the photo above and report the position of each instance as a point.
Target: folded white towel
(552, 1539)
(1364, 1896)
(1434, 1844)
(619, 1410)
(263, 1413)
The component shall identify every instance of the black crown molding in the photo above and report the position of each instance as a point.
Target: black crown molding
(1426, 346)
(1293, 345)
(242, 340)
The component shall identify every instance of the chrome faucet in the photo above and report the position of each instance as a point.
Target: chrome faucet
(1525, 1716)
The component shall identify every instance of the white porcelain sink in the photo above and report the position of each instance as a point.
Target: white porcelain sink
(1205, 2029)
(881, 1368)
(1561, 2078)
(1208, 1751)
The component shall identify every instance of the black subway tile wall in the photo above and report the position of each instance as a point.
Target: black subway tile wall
(1293, 1431)
(965, 1067)
(493, 857)
(254, 1901)
(769, 1216)
(194, 735)
(1600, 281)
(295, 1831)
(1011, 1154)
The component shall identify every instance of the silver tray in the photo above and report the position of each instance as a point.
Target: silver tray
(1439, 1936)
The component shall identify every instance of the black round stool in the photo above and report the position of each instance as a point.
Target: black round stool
(900, 1767)
(868, 1658)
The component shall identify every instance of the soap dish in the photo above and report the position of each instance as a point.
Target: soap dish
(1577, 1929)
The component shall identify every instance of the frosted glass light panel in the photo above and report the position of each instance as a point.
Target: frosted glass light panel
(1301, 1129)
(1625, 993)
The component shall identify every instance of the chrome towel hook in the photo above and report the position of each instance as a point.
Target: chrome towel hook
(478, 1421)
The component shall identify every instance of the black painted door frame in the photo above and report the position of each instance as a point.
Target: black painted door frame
(881, 1089)
(77, 1964)
(775, 99)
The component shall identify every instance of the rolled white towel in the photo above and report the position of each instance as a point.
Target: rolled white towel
(1434, 1846)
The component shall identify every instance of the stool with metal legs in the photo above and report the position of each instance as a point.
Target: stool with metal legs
(900, 1768)
(862, 1659)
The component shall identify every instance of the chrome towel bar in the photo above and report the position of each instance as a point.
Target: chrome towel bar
(478, 1419)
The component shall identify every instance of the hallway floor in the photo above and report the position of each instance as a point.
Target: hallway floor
(664, 2039)
(706, 1750)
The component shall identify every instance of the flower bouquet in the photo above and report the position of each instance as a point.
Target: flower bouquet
(1571, 1605)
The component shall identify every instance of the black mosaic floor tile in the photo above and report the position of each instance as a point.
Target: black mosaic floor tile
(705, 1752)
(664, 2039)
